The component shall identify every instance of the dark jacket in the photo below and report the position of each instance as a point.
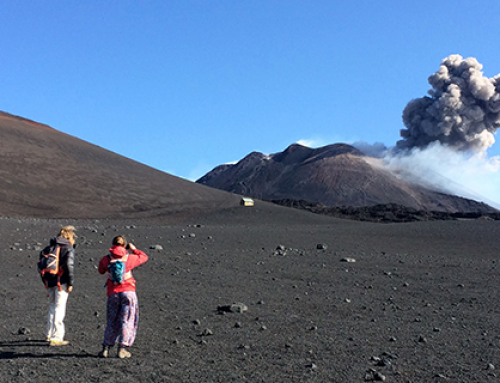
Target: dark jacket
(66, 261)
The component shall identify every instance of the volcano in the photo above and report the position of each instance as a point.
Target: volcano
(47, 173)
(321, 299)
(333, 175)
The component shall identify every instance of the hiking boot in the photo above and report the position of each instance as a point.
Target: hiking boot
(58, 342)
(104, 353)
(123, 353)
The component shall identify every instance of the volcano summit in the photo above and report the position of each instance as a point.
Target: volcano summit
(333, 175)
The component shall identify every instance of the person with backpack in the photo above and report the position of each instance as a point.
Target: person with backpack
(122, 309)
(56, 266)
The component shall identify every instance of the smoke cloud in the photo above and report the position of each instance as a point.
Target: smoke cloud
(462, 112)
(444, 145)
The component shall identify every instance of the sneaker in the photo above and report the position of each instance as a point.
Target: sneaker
(123, 353)
(58, 342)
(104, 353)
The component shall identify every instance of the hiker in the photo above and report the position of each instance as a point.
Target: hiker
(60, 283)
(122, 309)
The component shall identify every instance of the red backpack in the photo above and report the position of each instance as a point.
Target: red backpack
(49, 265)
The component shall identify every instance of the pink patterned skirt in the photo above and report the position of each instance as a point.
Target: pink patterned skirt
(122, 318)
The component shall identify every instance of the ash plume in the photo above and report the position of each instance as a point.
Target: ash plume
(462, 112)
(447, 134)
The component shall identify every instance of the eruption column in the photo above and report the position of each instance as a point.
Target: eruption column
(462, 112)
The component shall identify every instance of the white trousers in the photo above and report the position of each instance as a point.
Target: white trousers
(57, 312)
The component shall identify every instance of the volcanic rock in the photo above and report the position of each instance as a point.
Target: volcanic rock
(233, 308)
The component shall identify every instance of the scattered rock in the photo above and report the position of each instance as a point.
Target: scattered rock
(23, 331)
(348, 259)
(244, 347)
(311, 366)
(280, 250)
(156, 247)
(233, 308)
(321, 246)
(374, 376)
(207, 332)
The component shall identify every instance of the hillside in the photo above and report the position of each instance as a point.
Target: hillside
(47, 173)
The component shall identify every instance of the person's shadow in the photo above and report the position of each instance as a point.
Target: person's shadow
(39, 345)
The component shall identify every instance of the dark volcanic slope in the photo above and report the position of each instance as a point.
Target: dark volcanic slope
(334, 175)
(420, 304)
(46, 173)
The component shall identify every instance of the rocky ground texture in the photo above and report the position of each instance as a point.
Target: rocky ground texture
(388, 213)
(266, 294)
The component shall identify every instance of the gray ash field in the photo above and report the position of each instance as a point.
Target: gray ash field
(419, 304)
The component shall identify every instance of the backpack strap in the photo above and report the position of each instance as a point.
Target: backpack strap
(58, 268)
(126, 275)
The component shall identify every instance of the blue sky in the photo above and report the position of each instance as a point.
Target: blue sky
(184, 86)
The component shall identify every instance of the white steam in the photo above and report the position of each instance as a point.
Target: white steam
(377, 150)
(440, 167)
(463, 110)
